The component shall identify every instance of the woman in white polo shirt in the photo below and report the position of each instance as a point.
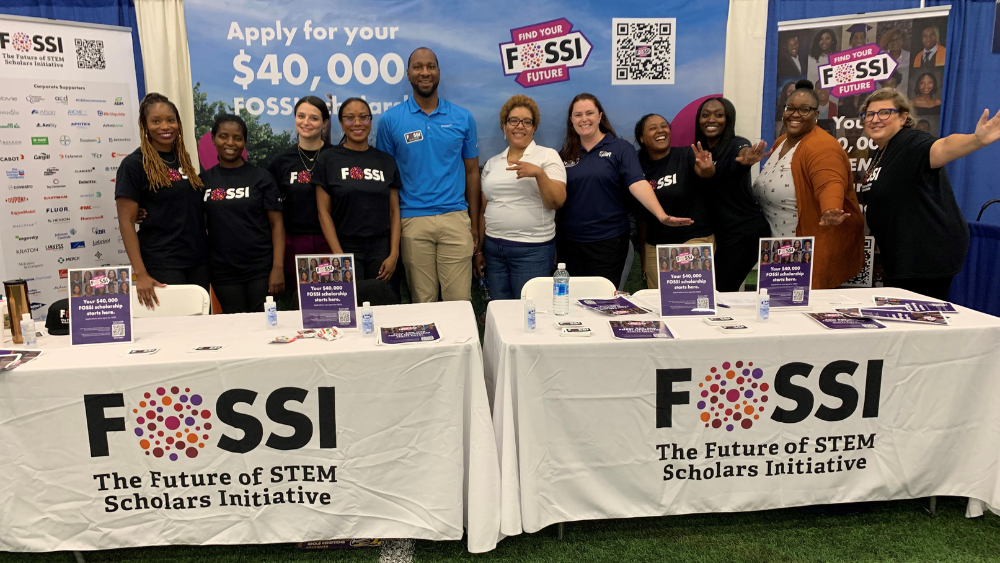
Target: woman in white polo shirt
(522, 187)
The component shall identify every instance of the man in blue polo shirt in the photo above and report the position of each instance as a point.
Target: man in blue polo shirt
(434, 144)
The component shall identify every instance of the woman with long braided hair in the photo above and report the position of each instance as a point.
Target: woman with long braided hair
(171, 247)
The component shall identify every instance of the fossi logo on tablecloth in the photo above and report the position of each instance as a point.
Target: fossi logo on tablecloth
(733, 395)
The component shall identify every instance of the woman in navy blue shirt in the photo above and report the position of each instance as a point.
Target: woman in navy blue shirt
(592, 233)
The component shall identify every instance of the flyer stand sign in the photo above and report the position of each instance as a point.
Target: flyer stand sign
(785, 270)
(687, 279)
(100, 305)
(326, 290)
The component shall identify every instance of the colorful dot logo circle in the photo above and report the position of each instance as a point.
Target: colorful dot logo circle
(21, 41)
(174, 175)
(218, 194)
(733, 396)
(357, 173)
(171, 423)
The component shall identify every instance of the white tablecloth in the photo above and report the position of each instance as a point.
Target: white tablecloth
(414, 455)
(592, 428)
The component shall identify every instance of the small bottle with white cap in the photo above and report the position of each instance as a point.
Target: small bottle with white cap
(763, 306)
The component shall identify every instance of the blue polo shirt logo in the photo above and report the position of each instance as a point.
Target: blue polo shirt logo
(413, 137)
(605, 154)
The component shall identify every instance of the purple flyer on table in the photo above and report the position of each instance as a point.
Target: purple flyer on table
(899, 315)
(326, 290)
(785, 270)
(919, 305)
(687, 280)
(409, 334)
(631, 330)
(100, 305)
(614, 307)
(838, 321)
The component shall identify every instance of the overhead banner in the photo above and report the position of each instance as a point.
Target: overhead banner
(636, 57)
(67, 119)
(849, 57)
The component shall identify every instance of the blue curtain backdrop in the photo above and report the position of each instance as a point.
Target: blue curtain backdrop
(972, 81)
(107, 12)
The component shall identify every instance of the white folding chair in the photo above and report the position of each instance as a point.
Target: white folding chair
(583, 286)
(175, 301)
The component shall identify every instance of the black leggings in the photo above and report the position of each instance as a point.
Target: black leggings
(734, 258)
(193, 275)
(245, 297)
(604, 258)
(369, 253)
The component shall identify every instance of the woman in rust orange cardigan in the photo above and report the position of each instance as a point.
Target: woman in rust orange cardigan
(805, 189)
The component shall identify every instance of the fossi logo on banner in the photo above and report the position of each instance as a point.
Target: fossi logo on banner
(23, 42)
(543, 53)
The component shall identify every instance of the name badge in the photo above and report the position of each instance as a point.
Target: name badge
(413, 136)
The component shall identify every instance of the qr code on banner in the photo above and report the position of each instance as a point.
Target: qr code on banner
(643, 50)
(90, 54)
(344, 316)
(798, 295)
(118, 330)
(702, 302)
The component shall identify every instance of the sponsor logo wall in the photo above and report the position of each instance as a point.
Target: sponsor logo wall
(63, 90)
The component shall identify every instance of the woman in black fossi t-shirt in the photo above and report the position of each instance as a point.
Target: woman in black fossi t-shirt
(171, 247)
(912, 212)
(246, 233)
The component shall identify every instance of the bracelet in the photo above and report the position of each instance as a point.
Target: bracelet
(480, 253)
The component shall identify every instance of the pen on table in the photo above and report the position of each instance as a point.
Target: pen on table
(723, 305)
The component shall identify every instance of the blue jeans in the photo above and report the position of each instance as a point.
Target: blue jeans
(509, 267)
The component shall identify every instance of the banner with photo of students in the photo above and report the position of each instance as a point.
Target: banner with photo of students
(100, 305)
(785, 270)
(849, 57)
(687, 279)
(326, 290)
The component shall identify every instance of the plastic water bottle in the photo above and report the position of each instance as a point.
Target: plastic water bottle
(28, 330)
(529, 315)
(484, 288)
(560, 290)
(271, 312)
(367, 320)
(763, 306)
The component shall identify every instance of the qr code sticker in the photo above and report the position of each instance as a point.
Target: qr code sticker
(702, 302)
(798, 295)
(643, 50)
(90, 54)
(864, 277)
(344, 316)
(118, 330)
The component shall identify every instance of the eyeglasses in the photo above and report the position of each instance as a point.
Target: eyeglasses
(803, 111)
(361, 119)
(882, 114)
(514, 122)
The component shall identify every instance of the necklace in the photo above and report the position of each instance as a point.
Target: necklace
(874, 164)
(169, 162)
(303, 156)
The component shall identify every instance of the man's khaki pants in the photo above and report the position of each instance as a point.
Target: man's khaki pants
(437, 251)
